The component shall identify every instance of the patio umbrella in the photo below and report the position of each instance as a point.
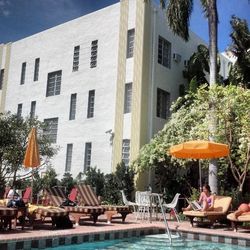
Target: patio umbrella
(32, 157)
(199, 149)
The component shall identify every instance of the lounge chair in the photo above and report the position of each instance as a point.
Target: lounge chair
(6, 217)
(244, 217)
(27, 195)
(86, 196)
(221, 207)
(56, 197)
(37, 214)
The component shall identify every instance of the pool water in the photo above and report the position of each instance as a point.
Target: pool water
(150, 243)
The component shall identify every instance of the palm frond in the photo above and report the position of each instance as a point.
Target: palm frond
(178, 14)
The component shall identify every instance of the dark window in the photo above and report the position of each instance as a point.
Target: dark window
(68, 157)
(164, 52)
(72, 112)
(23, 73)
(76, 58)
(54, 83)
(93, 57)
(33, 109)
(128, 98)
(91, 104)
(36, 71)
(163, 104)
(51, 129)
(19, 110)
(125, 151)
(1, 78)
(87, 156)
(130, 43)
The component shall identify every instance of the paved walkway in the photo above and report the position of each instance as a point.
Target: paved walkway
(224, 234)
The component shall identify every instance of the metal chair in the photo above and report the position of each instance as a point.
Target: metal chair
(172, 205)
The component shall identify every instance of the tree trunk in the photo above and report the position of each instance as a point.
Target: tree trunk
(213, 26)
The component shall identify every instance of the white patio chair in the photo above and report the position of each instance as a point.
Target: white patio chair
(128, 203)
(172, 205)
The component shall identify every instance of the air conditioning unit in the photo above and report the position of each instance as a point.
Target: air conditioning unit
(177, 57)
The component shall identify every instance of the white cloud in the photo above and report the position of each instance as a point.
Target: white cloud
(4, 7)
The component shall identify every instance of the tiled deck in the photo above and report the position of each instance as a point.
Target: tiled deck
(43, 236)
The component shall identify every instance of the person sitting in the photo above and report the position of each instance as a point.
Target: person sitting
(243, 208)
(206, 199)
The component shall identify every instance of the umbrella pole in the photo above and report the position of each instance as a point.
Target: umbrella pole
(32, 180)
(200, 184)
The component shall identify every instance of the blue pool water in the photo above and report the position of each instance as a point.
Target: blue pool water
(150, 243)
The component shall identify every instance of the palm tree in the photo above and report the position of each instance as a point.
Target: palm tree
(178, 15)
(240, 47)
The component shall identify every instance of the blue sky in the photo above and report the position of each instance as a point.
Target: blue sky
(22, 18)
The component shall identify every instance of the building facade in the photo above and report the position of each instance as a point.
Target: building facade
(103, 82)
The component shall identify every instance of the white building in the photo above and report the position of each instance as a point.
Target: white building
(104, 82)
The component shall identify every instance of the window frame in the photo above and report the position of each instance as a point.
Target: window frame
(94, 54)
(91, 104)
(54, 88)
(23, 73)
(72, 110)
(130, 43)
(164, 52)
(51, 129)
(128, 97)
(126, 151)
(1, 78)
(163, 99)
(19, 110)
(36, 69)
(87, 156)
(69, 156)
(76, 58)
(32, 109)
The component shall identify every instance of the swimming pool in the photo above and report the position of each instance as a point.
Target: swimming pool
(150, 242)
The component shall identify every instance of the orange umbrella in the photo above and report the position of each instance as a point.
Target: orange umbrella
(199, 150)
(32, 157)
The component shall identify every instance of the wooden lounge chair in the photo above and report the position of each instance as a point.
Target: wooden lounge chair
(56, 197)
(235, 222)
(87, 197)
(37, 214)
(221, 207)
(6, 217)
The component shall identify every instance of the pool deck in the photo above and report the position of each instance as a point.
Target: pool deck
(44, 236)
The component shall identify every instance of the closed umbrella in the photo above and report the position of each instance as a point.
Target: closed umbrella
(32, 157)
(199, 149)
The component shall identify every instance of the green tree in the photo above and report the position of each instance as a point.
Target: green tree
(13, 141)
(190, 121)
(95, 178)
(50, 179)
(68, 182)
(240, 47)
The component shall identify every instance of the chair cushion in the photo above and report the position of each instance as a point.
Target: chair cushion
(5, 211)
(245, 217)
(85, 209)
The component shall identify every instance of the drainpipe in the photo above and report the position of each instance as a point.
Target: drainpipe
(151, 94)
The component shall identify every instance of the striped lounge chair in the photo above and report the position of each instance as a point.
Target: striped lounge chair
(38, 214)
(56, 196)
(87, 197)
(6, 216)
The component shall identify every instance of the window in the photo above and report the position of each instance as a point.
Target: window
(130, 43)
(19, 110)
(91, 104)
(23, 73)
(33, 109)
(1, 78)
(128, 98)
(36, 71)
(68, 157)
(125, 151)
(164, 52)
(163, 104)
(87, 157)
(51, 129)
(93, 57)
(72, 112)
(76, 58)
(54, 83)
